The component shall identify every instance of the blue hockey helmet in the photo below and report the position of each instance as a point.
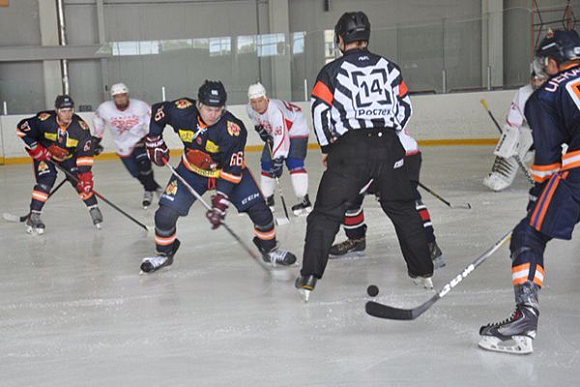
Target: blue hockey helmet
(562, 46)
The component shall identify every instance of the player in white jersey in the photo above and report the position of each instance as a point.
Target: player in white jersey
(128, 122)
(516, 139)
(283, 128)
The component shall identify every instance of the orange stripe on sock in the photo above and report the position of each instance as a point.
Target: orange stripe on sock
(165, 241)
(265, 236)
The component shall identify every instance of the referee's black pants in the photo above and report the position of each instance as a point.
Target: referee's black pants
(353, 160)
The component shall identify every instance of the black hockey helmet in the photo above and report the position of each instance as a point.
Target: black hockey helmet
(353, 26)
(64, 102)
(560, 45)
(212, 93)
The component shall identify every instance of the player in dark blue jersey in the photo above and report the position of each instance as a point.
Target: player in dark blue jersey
(58, 136)
(213, 159)
(553, 113)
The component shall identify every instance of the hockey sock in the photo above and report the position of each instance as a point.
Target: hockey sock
(267, 184)
(39, 196)
(146, 176)
(354, 223)
(299, 182)
(165, 229)
(426, 218)
(263, 221)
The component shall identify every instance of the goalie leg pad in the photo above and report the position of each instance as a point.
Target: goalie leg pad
(507, 145)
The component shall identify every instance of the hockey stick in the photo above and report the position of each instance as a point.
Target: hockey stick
(384, 311)
(516, 156)
(23, 218)
(74, 178)
(281, 221)
(465, 206)
(251, 252)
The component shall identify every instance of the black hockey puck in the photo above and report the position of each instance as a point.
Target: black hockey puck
(372, 290)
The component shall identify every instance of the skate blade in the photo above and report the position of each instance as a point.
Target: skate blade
(34, 231)
(518, 345)
(304, 294)
(349, 255)
(300, 213)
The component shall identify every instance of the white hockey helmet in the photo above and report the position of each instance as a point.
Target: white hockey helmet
(256, 90)
(119, 88)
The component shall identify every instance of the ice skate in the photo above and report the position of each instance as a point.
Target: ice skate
(152, 264)
(148, 197)
(96, 215)
(305, 286)
(436, 255)
(425, 282)
(303, 208)
(513, 335)
(352, 247)
(275, 256)
(34, 223)
(502, 174)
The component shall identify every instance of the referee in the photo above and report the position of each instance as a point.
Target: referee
(359, 103)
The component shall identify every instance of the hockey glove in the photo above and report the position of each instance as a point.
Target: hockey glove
(276, 168)
(263, 134)
(157, 150)
(97, 147)
(85, 182)
(219, 205)
(39, 153)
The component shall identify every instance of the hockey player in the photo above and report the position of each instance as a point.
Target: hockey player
(354, 219)
(128, 122)
(213, 159)
(516, 139)
(58, 136)
(553, 113)
(283, 128)
(359, 103)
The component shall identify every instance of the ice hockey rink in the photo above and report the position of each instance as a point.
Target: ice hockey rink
(75, 311)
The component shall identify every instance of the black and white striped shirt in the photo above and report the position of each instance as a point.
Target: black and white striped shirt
(359, 90)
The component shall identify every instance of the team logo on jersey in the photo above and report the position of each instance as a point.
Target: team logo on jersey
(185, 135)
(183, 104)
(83, 125)
(43, 168)
(233, 129)
(171, 188)
(43, 116)
(87, 146)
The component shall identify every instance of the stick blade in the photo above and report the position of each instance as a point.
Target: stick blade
(282, 221)
(384, 311)
(11, 217)
(465, 206)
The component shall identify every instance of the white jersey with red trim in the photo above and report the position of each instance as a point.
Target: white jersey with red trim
(283, 121)
(127, 126)
(409, 143)
(515, 116)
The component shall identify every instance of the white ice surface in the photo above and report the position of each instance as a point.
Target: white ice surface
(75, 312)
